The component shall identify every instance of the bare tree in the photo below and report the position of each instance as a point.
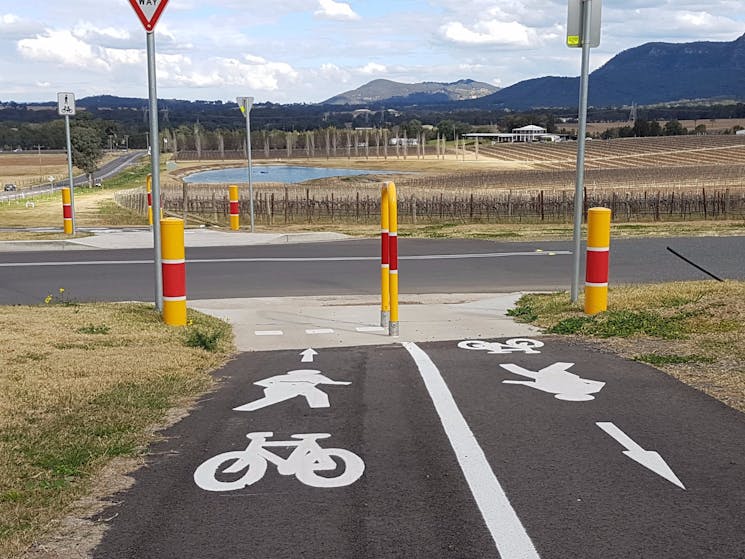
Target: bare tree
(198, 140)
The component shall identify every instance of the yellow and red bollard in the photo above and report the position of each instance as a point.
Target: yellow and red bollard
(67, 210)
(385, 293)
(173, 258)
(598, 252)
(149, 187)
(235, 210)
(389, 259)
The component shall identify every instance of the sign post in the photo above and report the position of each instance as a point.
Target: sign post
(66, 108)
(245, 103)
(583, 30)
(149, 11)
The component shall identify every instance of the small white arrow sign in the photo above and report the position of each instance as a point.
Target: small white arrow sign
(647, 458)
(308, 355)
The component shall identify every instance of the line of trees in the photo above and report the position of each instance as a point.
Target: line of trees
(643, 128)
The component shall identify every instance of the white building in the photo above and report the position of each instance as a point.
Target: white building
(410, 142)
(530, 133)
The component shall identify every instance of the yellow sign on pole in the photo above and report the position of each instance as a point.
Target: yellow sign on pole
(575, 34)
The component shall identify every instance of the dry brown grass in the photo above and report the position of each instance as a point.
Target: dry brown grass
(28, 169)
(80, 385)
(93, 208)
(694, 330)
(522, 231)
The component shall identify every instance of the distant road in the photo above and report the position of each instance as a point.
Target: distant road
(106, 171)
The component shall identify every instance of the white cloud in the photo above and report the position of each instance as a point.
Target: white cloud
(335, 10)
(372, 68)
(87, 30)
(61, 47)
(252, 72)
(491, 32)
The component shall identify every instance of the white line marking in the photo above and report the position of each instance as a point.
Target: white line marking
(370, 329)
(320, 331)
(505, 527)
(268, 332)
(318, 259)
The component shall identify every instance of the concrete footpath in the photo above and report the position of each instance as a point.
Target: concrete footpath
(128, 238)
(272, 323)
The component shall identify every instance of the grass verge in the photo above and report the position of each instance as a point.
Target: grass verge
(692, 330)
(81, 384)
(94, 207)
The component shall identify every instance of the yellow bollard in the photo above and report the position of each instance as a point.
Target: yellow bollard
(393, 254)
(67, 210)
(598, 251)
(174, 271)
(235, 211)
(385, 294)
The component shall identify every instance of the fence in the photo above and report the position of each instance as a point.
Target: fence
(289, 205)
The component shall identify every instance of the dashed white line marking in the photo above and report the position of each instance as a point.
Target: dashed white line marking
(370, 329)
(268, 332)
(319, 331)
(501, 519)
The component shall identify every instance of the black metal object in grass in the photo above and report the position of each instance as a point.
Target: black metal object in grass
(694, 264)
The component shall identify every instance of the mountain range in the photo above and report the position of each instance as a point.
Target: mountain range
(392, 92)
(702, 72)
(648, 74)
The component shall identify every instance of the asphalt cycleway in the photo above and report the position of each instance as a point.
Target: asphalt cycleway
(464, 449)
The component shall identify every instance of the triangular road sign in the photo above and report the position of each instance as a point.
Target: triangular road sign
(148, 11)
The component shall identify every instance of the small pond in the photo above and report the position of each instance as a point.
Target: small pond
(274, 173)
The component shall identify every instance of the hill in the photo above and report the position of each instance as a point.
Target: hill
(648, 74)
(387, 91)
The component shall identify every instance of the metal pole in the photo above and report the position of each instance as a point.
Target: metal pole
(69, 170)
(579, 189)
(248, 153)
(155, 171)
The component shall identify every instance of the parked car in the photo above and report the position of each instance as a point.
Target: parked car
(10, 188)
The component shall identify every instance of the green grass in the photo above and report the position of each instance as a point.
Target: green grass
(658, 359)
(205, 337)
(93, 329)
(622, 323)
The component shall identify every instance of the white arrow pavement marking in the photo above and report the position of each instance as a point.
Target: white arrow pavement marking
(308, 355)
(647, 458)
(507, 531)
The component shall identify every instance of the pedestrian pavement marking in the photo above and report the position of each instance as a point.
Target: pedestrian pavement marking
(370, 329)
(292, 384)
(509, 534)
(268, 332)
(320, 331)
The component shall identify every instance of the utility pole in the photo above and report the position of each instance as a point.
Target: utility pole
(583, 31)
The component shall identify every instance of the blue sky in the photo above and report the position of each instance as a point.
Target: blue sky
(309, 50)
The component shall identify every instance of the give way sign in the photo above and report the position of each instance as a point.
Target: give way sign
(148, 11)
